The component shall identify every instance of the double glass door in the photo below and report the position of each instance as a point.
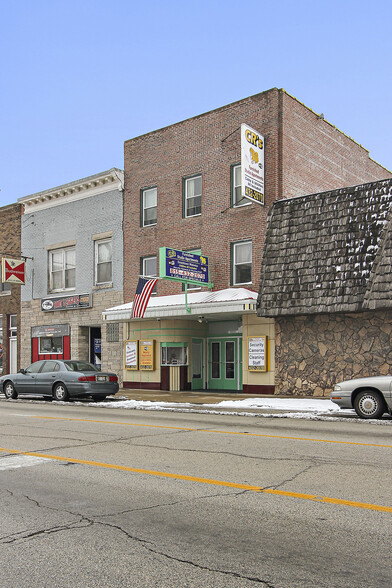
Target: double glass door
(224, 364)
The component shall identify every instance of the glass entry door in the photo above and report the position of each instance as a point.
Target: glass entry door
(197, 364)
(224, 365)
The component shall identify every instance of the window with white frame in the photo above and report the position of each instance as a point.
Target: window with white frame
(242, 262)
(149, 269)
(236, 196)
(62, 269)
(103, 261)
(149, 207)
(192, 196)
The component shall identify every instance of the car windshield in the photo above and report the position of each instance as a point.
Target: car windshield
(80, 366)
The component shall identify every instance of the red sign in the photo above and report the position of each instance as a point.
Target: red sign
(12, 271)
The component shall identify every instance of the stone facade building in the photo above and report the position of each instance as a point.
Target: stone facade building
(73, 235)
(10, 246)
(326, 281)
(183, 191)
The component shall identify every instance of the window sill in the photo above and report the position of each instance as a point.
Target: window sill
(6, 293)
(105, 286)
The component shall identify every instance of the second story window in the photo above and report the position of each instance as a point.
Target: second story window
(192, 196)
(241, 263)
(62, 269)
(103, 261)
(149, 207)
(148, 268)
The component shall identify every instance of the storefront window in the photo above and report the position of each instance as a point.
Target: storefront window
(175, 355)
(51, 345)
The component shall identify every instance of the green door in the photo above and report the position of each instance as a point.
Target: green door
(224, 366)
(197, 364)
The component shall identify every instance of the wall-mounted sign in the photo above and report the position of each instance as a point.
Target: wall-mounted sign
(50, 331)
(66, 302)
(131, 355)
(252, 164)
(12, 271)
(146, 355)
(183, 266)
(257, 354)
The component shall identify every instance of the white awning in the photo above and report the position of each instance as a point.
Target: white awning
(213, 305)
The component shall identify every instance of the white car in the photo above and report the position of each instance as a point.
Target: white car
(370, 397)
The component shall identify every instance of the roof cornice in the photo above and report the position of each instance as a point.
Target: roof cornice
(107, 181)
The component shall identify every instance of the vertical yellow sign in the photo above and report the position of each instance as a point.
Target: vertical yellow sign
(146, 355)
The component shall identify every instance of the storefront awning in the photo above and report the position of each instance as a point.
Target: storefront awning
(210, 305)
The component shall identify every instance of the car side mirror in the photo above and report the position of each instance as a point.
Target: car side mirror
(22, 371)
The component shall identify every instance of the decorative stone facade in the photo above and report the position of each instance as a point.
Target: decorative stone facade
(314, 352)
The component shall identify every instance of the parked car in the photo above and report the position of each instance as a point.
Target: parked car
(61, 380)
(370, 397)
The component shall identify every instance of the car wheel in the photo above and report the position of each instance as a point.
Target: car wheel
(98, 397)
(60, 392)
(9, 391)
(369, 404)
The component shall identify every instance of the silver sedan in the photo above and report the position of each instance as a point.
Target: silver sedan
(60, 380)
(370, 397)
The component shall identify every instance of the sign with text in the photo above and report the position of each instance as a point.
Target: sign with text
(252, 164)
(183, 266)
(131, 355)
(146, 355)
(257, 354)
(12, 271)
(66, 302)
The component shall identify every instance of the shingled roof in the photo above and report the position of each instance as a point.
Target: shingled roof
(328, 252)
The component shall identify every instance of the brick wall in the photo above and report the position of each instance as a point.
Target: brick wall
(318, 157)
(314, 352)
(303, 154)
(10, 235)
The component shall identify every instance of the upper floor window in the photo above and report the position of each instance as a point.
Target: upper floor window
(103, 261)
(192, 196)
(5, 287)
(236, 196)
(148, 268)
(242, 262)
(62, 269)
(149, 207)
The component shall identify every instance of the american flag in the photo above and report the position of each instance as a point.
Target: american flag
(143, 292)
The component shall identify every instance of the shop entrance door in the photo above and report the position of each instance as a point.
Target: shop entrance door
(95, 346)
(197, 364)
(224, 364)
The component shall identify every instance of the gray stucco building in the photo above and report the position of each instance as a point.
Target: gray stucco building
(73, 239)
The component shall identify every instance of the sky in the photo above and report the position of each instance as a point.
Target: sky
(78, 78)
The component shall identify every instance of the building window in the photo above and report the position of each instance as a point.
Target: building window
(112, 332)
(149, 207)
(50, 345)
(148, 269)
(192, 196)
(5, 287)
(241, 262)
(103, 261)
(236, 196)
(62, 269)
(174, 354)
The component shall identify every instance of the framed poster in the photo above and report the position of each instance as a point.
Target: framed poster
(257, 354)
(131, 355)
(146, 355)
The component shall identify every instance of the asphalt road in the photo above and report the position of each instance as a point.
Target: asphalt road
(93, 497)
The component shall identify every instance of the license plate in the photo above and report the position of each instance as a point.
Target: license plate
(101, 378)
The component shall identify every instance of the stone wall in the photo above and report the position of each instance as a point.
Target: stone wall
(314, 352)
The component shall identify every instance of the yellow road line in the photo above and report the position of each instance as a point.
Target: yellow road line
(313, 497)
(213, 431)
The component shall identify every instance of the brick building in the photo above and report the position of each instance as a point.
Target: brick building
(326, 281)
(73, 233)
(10, 246)
(183, 190)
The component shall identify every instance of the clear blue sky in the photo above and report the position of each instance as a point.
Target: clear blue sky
(79, 77)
